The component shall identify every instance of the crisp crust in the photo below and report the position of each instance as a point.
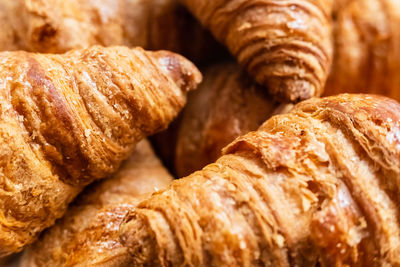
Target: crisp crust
(57, 26)
(286, 46)
(226, 105)
(319, 185)
(88, 234)
(67, 120)
(367, 54)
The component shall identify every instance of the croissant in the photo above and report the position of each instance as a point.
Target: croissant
(57, 26)
(367, 54)
(67, 120)
(226, 105)
(285, 45)
(318, 186)
(88, 233)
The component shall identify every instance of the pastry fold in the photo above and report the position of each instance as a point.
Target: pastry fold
(318, 186)
(67, 120)
(88, 234)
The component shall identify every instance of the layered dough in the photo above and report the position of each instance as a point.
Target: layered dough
(318, 186)
(88, 234)
(67, 120)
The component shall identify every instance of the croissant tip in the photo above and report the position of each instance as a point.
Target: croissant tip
(291, 90)
(138, 238)
(181, 70)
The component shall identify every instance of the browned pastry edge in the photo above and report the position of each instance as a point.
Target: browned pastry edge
(286, 46)
(367, 48)
(317, 186)
(67, 120)
(88, 234)
(57, 26)
(226, 105)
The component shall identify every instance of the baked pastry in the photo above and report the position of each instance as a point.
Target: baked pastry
(67, 120)
(367, 54)
(57, 26)
(88, 234)
(318, 186)
(226, 105)
(286, 46)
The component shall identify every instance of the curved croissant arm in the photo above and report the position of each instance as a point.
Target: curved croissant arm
(66, 120)
(57, 26)
(88, 234)
(318, 186)
(367, 54)
(285, 45)
(226, 105)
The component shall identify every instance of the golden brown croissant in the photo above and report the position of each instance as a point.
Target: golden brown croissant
(285, 45)
(367, 48)
(88, 233)
(57, 26)
(318, 186)
(66, 120)
(226, 105)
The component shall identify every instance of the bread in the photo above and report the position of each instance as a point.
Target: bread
(88, 233)
(286, 46)
(67, 120)
(57, 26)
(226, 105)
(318, 186)
(367, 54)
